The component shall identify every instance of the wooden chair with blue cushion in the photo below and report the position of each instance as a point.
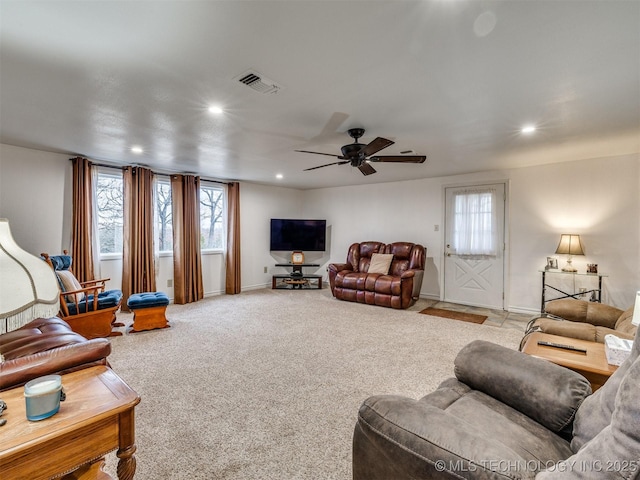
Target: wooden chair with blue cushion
(87, 307)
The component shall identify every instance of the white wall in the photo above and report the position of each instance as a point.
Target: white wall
(258, 204)
(35, 195)
(598, 199)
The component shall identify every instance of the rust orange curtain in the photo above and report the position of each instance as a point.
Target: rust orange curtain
(81, 220)
(138, 263)
(233, 281)
(187, 262)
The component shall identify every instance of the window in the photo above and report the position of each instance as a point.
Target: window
(164, 224)
(109, 209)
(211, 218)
(474, 223)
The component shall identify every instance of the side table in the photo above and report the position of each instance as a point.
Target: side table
(597, 292)
(96, 418)
(287, 281)
(592, 365)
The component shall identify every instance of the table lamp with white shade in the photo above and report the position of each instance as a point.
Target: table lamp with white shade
(569, 245)
(28, 285)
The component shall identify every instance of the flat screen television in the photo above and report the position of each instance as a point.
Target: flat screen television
(294, 235)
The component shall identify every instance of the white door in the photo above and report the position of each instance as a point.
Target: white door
(474, 245)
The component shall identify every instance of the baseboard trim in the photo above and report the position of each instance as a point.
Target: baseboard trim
(430, 296)
(525, 310)
(213, 294)
(259, 286)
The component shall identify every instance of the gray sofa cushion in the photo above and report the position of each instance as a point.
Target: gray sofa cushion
(492, 420)
(606, 432)
(454, 430)
(595, 414)
(614, 452)
(547, 393)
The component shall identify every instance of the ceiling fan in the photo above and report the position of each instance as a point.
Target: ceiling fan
(360, 155)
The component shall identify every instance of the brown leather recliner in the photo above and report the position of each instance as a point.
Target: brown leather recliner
(399, 288)
(584, 320)
(45, 346)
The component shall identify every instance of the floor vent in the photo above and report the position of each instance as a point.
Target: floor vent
(258, 82)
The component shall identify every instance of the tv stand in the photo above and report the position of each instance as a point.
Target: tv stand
(297, 267)
(296, 279)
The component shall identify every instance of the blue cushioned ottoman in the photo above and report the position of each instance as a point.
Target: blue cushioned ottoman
(149, 310)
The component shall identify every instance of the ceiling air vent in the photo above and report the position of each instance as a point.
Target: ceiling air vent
(258, 82)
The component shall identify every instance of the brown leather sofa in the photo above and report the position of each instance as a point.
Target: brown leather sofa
(45, 346)
(584, 320)
(399, 288)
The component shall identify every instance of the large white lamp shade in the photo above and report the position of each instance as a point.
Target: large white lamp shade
(28, 285)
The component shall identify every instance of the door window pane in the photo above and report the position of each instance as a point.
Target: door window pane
(474, 223)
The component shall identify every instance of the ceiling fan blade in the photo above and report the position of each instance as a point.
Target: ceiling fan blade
(318, 153)
(399, 158)
(375, 146)
(366, 169)
(326, 165)
(331, 128)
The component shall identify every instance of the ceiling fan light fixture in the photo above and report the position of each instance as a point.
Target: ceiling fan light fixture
(361, 156)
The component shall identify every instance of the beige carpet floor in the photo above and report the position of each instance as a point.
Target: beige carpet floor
(267, 384)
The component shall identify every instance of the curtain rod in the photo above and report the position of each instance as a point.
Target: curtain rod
(115, 167)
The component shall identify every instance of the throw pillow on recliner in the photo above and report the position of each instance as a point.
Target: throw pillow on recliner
(70, 284)
(380, 263)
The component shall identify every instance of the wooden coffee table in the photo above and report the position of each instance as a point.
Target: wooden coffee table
(96, 418)
(592, 365)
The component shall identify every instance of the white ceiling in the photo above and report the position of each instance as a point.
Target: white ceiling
(451, 79)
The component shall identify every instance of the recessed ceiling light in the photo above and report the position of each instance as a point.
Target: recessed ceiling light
(279, 176)
(215, 109)
(528, 129)
(137, 149)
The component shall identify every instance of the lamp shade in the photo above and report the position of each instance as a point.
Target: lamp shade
(28, 286)
(570, 245)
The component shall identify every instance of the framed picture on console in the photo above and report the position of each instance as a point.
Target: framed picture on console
(297, 258)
